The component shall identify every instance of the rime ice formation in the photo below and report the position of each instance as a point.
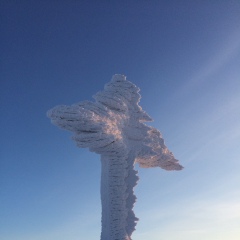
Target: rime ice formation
(113, 126)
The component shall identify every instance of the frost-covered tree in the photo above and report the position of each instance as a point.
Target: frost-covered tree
(113, 126)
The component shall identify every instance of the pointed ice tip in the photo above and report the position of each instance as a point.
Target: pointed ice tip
(179, 167)
(118, 78)
(49, 113)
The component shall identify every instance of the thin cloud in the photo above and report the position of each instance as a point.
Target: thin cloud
(225, 53)
(200, 218)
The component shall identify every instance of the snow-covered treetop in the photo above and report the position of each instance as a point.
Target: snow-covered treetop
(114, 125)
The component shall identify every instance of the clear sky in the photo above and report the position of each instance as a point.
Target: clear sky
(185, 57)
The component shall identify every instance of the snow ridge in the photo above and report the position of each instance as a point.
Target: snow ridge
(113, 126)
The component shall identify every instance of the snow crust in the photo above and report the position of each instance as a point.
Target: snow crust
(113, 126)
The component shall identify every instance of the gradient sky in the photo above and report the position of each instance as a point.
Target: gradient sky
(185, 57)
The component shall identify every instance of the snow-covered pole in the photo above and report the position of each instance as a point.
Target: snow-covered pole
(113, 126)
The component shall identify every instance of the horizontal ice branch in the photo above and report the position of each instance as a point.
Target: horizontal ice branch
(113, 123)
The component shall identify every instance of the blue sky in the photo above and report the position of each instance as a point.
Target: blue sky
(185, 57)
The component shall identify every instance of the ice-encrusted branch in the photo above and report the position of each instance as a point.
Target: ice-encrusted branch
(113, 126)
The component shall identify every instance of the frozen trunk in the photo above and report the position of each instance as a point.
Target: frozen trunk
(117, 182)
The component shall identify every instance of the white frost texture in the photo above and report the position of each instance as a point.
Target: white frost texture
(113, 126)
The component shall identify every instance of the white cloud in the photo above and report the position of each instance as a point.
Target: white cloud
(229, 49)
(194, 219)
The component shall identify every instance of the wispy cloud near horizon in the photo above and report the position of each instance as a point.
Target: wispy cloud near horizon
(201, 219)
